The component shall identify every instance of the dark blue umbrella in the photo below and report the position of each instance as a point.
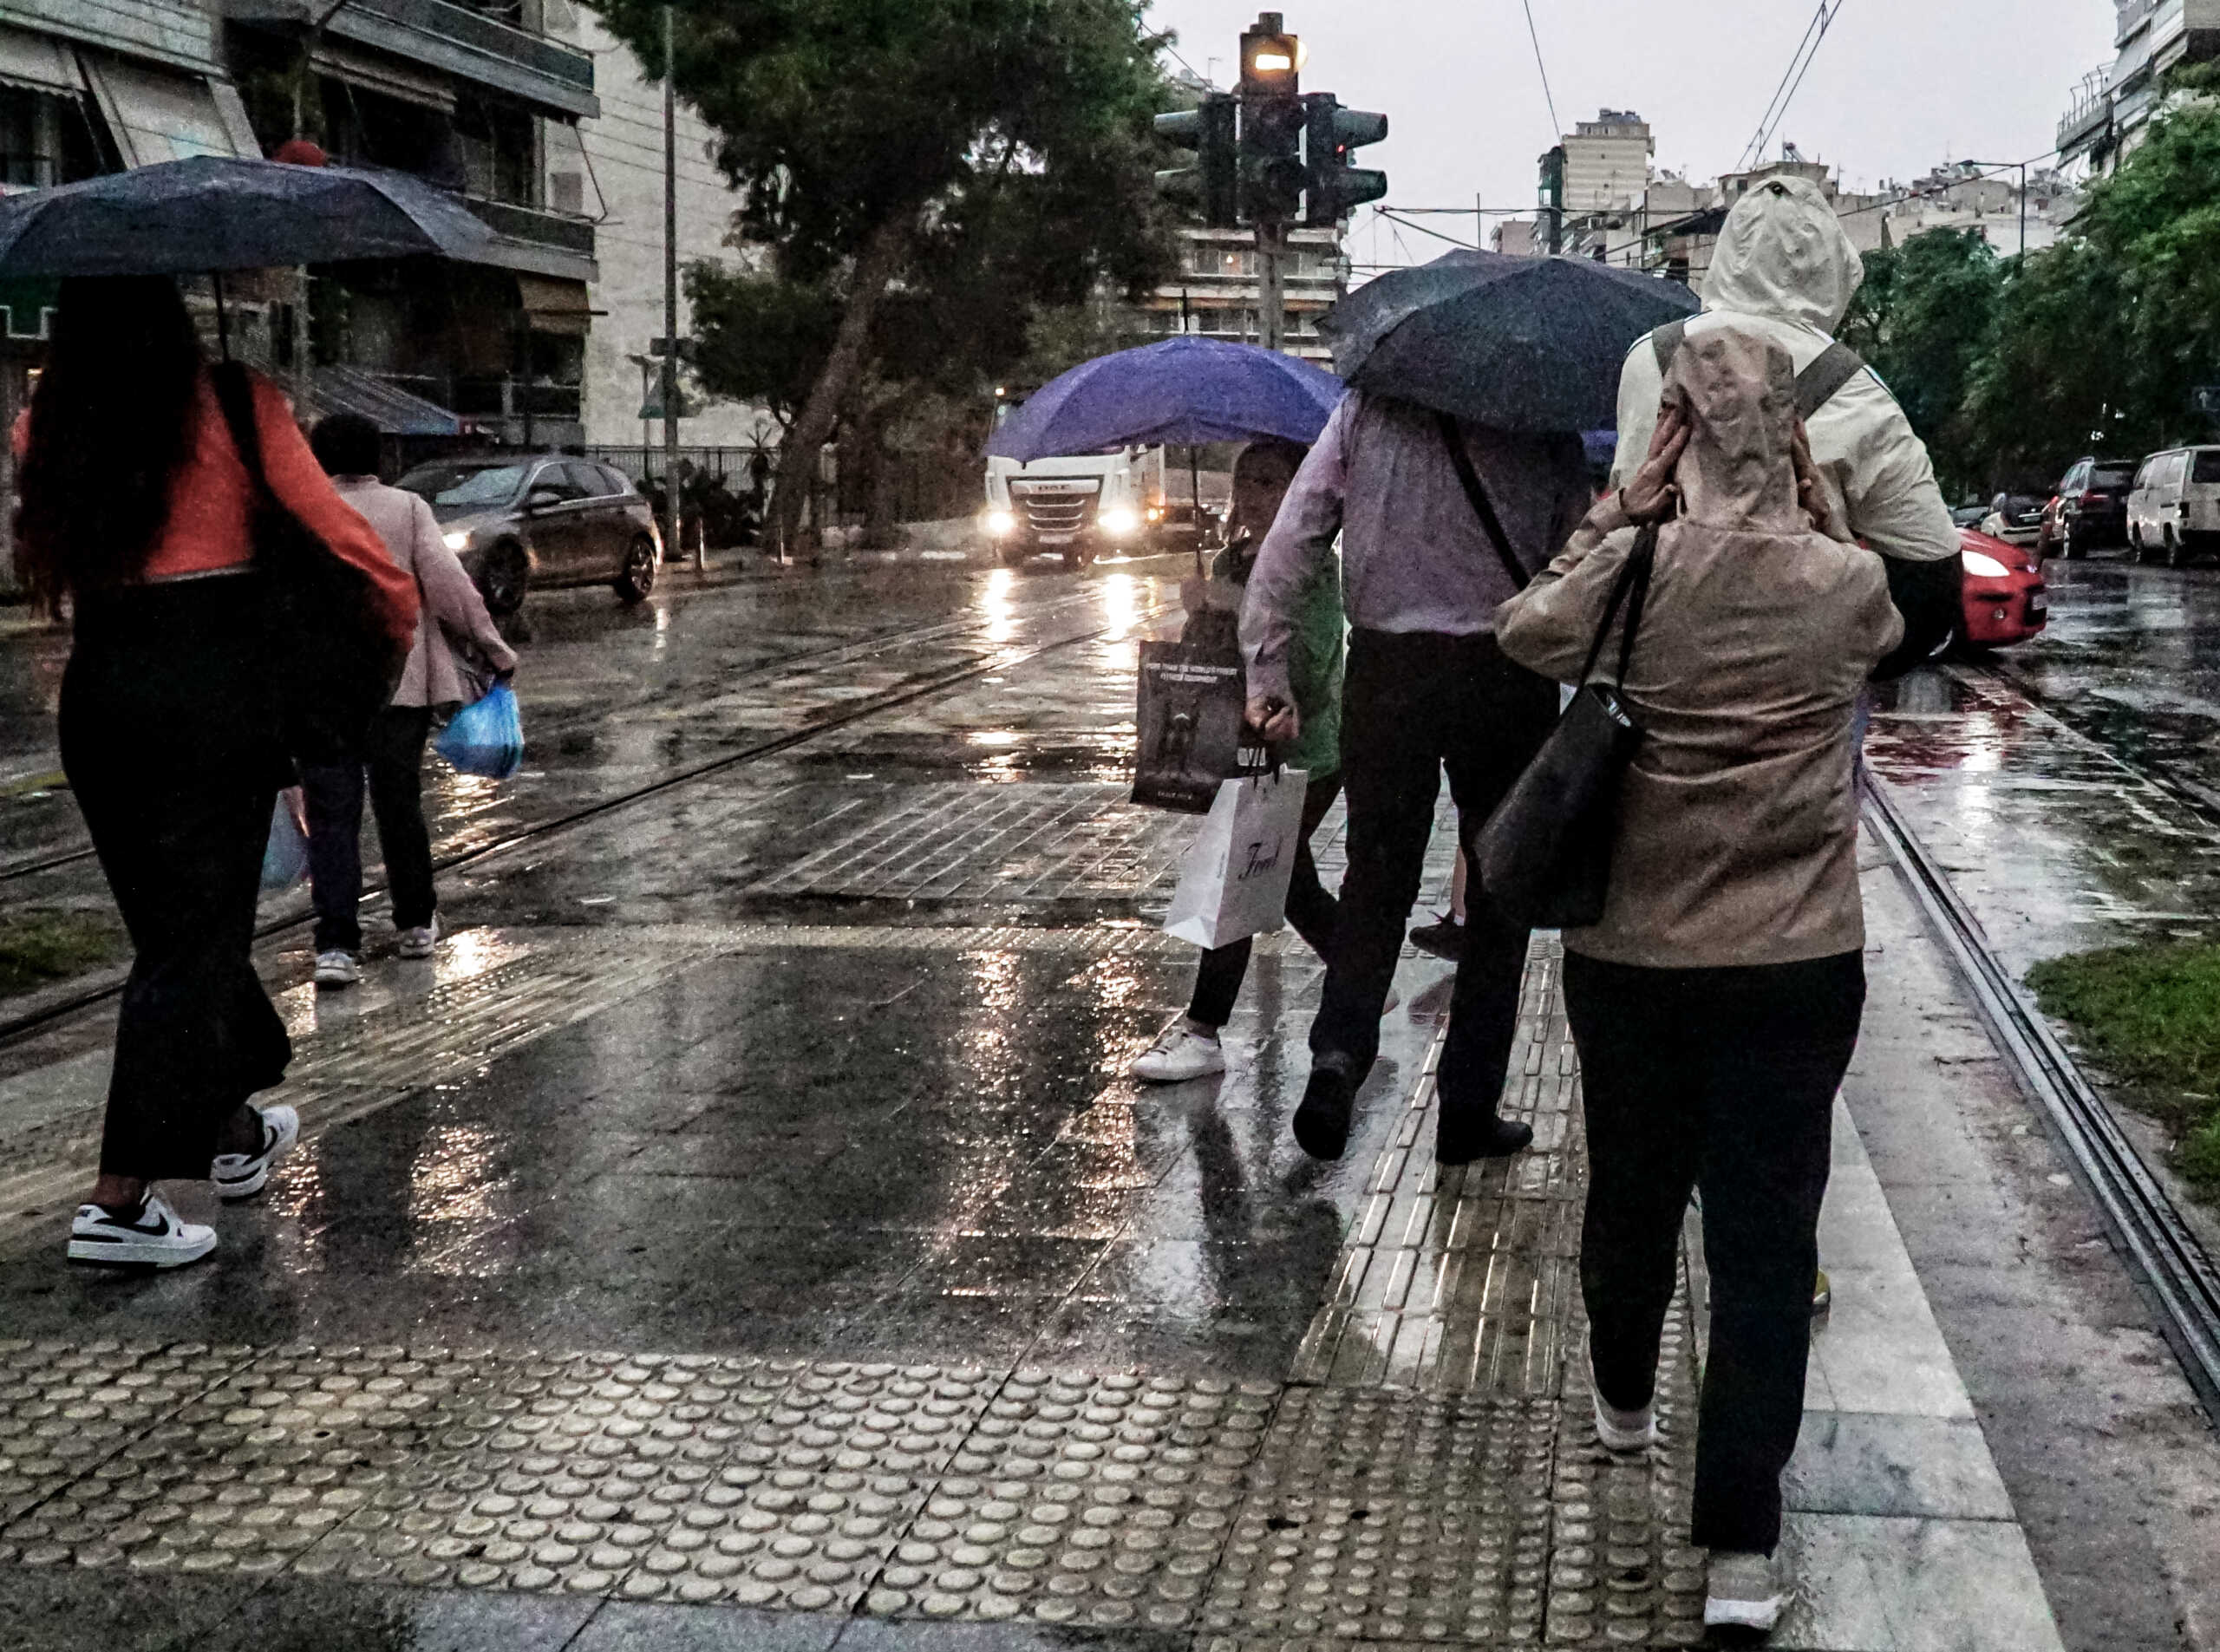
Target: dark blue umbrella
(1531, 344)
(212, 213)
(1184, 391)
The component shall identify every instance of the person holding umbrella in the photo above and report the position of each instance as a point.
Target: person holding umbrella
(1451, 473)
(1189, 1047)
(138, 511)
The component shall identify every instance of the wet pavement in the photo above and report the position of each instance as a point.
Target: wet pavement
(743, 1234)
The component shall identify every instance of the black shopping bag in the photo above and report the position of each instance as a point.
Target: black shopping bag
(1190, 714)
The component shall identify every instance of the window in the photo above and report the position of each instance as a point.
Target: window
(465, 485)
(494, 143)
(555, 479)
(44, 140)
(2208, 466)
(2177, 467)
(618, 481)
(2111, 476)
(590, 480)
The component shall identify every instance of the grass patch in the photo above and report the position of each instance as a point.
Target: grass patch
(37, 947)
(2152, 1015)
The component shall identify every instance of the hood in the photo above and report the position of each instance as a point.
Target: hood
(1783, 254)
(1739, 390)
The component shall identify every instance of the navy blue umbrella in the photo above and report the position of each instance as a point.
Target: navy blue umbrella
(1184, 391)
(1531, 344)
(212, 213)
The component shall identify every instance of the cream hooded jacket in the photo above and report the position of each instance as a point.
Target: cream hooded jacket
(1785, 269)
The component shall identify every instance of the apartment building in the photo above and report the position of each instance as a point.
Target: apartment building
(2108, 111)
(1216, 293)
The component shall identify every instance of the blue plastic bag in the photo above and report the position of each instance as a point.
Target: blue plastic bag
(285, 857)
(485, 738)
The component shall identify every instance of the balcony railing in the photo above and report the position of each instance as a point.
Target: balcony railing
(530, 224)
(465, 26)
(2089, 112)
(458, 39)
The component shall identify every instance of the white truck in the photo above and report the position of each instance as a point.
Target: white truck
(1077, 508)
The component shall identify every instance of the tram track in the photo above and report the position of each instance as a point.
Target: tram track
(839, 714)
(868, 645)
(2168, 1260)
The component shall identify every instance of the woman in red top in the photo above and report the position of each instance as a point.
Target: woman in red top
(136, 508)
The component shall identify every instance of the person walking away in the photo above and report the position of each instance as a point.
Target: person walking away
(1716, 1003)
(136, 512)
(449, 606)
(1785, 271)
(1423, 560)
(1190, 1048)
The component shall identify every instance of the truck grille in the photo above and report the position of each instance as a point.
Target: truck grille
(1055, 507)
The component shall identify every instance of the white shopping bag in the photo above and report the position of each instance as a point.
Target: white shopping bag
(1233, 881)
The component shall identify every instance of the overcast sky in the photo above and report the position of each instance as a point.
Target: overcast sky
(1898, 86)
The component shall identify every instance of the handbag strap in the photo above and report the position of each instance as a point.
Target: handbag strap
(1631, 589)
(1453, 437)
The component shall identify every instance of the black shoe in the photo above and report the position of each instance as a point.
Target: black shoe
(1321, 1123)
(1459, 1140)
(1444, 938)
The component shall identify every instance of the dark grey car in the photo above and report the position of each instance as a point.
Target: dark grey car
(543, 521)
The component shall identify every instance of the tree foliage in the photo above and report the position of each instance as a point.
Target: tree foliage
(1924, 319)
(937, 169)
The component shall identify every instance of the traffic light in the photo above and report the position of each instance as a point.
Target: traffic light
(1271, 59)
(1333, 189)
(1272, 177)
(1211, 186)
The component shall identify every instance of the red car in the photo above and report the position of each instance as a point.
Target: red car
(2005, 601)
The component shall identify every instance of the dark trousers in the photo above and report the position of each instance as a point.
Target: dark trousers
(393, 758)
(171, 749)
(1309, 908)
(1721, 1081)
(1414, 704)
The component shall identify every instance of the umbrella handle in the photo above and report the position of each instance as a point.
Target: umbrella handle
(223, 317)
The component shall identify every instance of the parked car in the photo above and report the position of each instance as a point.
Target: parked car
(2016, 518)
(541, 519)
(2174, 511)
(2004, 599)
(2091, 510)
(1968, 516)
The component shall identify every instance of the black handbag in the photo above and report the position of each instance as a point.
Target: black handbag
(1545, 855)
(333, 666)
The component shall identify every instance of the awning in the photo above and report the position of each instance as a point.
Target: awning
(156, 115)
(39, 64)
(552, 306)
(388, 77)
(394, 411)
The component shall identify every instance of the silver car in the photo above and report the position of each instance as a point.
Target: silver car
(541, 521)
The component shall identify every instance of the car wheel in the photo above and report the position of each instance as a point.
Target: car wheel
(639, 575)
(502, 578)
(2068, 547)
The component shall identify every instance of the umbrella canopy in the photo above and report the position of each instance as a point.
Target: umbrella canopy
(1533, 344)
(1184, 390)
(212, 213)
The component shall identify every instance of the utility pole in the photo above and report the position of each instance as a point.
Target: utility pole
(672, 515)
(1271, 285)
(2006, 166)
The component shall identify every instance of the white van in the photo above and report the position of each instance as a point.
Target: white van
(2174, 511)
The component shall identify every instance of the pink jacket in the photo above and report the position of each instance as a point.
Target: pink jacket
(452, 607)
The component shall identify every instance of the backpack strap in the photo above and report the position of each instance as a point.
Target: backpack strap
(1816, 385)
(235, 396)
(1453, 437)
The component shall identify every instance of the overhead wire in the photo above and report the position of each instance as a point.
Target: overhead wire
(1792, 79)
(1557, 126)
(1395, 218)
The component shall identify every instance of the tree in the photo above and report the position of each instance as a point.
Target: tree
(886, 147)
(1924, 319)
(758, 338)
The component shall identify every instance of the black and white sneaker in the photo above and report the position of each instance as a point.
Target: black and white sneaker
(243, 1175)
(153, 1237)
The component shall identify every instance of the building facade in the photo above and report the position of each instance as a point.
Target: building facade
(1216, 293)
(2109, 110)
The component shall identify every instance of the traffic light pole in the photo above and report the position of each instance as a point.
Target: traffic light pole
(1271, 285)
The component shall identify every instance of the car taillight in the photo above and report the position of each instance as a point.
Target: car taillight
(2092, 497)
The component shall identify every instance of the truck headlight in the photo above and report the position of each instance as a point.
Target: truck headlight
(459, 540)
(1000, 524)
(1119, 522)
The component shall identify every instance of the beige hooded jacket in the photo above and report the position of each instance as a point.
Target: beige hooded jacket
(1738, 822)
(1785, 269)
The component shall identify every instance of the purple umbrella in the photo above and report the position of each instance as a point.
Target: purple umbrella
(1182, 391)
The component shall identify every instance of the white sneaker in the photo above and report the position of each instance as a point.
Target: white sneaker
(337, 970)
(1747, 1592)
(1620, 1430)
(1180, 1055)
(242, 1175)
(418, 944)
(153, 1239)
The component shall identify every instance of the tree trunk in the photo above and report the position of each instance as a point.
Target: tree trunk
(875, 267)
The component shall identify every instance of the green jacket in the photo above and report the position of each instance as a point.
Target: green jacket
(1314, 664)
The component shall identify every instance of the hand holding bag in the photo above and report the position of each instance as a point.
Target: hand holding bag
(1233, 880)
(1545, 855)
